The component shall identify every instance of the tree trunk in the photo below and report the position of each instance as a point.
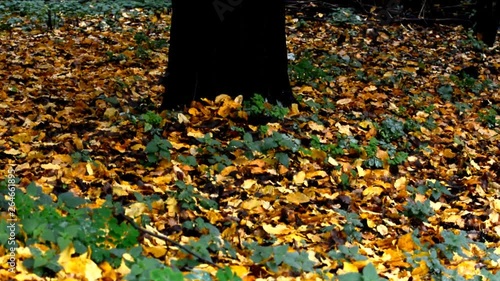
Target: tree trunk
(226, 47)
(487, 20)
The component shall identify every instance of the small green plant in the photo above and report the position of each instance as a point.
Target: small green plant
(188, 198)
(391, 129)
(81, 156)
(151, 122)
(369, 273)
(462, 107)
(418, 210)
(226, 274)
(279, 143)
(274, 256)
(213, 152)
(398, 158)
(345, 253)
(188, 160)
(142, 53)
(352, 222)
(342, 16)
(112, 57)
(67, 222)
(372, 160)
(331, 149)
(446, 92)
(473, 41)
(433, 188)
(411, 125)
(141, 37)
(429, 108)
(157, 149)
(437, 189)
(430, 123)
(146, 269)
(303, 71)
(259, 106)
(454, 244)
(490, 117)
(206, 245)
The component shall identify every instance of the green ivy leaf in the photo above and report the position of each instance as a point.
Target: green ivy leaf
(351, 276)
(166, 274)
(225, 274)
(282, 158)
(70, 200)
(261, 254)
(280, 253)
(370, 273)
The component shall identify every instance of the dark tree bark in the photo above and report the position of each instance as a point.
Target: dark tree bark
(487, 20)
(226, 47)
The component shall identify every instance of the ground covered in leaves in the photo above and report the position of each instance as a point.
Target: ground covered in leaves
(386, 167)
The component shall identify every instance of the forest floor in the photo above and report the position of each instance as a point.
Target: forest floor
(386, 167)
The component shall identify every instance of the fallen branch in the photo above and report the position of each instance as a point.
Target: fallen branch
(166, 239)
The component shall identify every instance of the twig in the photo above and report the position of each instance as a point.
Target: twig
(165, 238)
(422, 10)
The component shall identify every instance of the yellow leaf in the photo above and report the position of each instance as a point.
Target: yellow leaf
(475, 165)
(297, 198)
(90, 171)
(349, 267)
(299, 178)
(306, 89)
(156, 251)
(121, 189)
(382, 229)
(78, 142)
(468, 269)
(172, 206)
(410, 69)
(370, 88)
(319, 174)
(248, 183)
(50, 166)
(361, 171)
(406, 244)
(12, 151)
(20, 138)
(124, 269)
(332, 161)
(92, 271)
(447, 153)
(137, 147)
(195, 133)
(294, 109)
(251, 204)
(315, 126)
(496, 205)
(136, 209)
(421, 270)
(182, 118)
(81, 266)
(110, 112)
(344, 129)
(240, 270)
(318, 154)
(344, 101)
(108, 272)
(372, 191)
(400, 183)
(371, 223)
(280, 229)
